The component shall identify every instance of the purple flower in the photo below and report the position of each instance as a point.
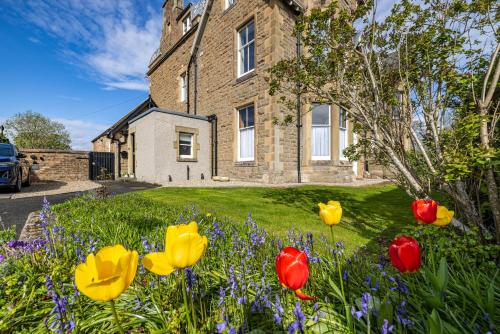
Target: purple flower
(357, 314)
(298, 324)
(365, 301)
(190, 279)
(2, 258)
(386, 328)
(279, 311)
(345, 276)
(222, 295)
(221, 327)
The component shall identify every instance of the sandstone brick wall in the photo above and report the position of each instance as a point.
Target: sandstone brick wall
(102, 144)
(57, 165)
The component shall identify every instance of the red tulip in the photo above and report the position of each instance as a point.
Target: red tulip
(404, 252)
(425, 210)
(293, 270)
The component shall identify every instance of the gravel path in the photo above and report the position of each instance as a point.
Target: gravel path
(210, 183)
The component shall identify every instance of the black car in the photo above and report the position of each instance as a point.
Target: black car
(15, 171)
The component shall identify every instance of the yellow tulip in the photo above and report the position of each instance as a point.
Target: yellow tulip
(104, 276)
(444, 216)
(330, 213)
(183, 248)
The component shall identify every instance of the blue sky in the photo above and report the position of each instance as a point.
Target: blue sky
(80, 62)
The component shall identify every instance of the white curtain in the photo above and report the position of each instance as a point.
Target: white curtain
(342, 143)
(321, 141)
(247, 143)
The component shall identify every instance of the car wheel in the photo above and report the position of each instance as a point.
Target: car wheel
(27, 183)
(19, 183)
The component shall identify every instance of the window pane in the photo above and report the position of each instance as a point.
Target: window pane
(243, 37)
(251, 61)
(245, 57)
(250, 29)
(320, 142)
(321, 114)
(243, 118)
(185, 150)
(185, 138)
(247, 144)
(342, 143)
(250, 116)
(343, 118)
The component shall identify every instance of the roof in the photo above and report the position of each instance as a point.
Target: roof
(122, 122)
(170, 112)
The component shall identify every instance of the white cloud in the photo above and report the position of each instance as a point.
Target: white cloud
(82, 132)
(112, 40)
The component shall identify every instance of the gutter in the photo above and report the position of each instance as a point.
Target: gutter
(299, 113)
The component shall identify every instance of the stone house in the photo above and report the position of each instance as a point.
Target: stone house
(212, 113)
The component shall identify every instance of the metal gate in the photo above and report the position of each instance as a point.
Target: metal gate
(101, 166)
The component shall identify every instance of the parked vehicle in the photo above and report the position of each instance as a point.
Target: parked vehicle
(15, 170)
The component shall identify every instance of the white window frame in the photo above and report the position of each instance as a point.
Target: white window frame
(241, 49)
(228, 3)
(183, 86)
(343, 130)
(329, 126)
(246, 129)
(186, 24)
(183, 156)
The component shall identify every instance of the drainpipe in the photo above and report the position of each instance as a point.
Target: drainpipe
(213, 120)
(299, 107)
(188, 86)
(195, 86)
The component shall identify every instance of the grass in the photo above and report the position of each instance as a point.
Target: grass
(369, 212)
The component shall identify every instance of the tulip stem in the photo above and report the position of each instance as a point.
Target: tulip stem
(117, 320)
(347, 313)
(186, 306)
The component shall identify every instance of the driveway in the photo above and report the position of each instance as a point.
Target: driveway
(14, 211)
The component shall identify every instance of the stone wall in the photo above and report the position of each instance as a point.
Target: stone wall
(57, 165)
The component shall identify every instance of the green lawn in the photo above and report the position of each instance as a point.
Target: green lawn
(369, 212)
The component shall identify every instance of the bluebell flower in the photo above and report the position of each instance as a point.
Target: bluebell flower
(386, 328)
(365, 301)
(190, 279)
(345, 276)
(2, 258)
(279, 311)
(221, 327)
(357, 314)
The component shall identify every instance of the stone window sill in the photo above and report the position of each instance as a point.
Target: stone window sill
(186, 160)
(246, 77)
(245, 164)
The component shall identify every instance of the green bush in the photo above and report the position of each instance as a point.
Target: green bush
(234, 288)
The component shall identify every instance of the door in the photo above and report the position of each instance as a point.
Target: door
(132, 142)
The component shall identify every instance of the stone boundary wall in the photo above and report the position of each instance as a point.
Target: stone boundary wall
(58, 165)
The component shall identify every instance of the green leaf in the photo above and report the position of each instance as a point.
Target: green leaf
(434, 323)
(443, 275)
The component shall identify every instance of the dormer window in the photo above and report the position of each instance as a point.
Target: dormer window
(186, 24)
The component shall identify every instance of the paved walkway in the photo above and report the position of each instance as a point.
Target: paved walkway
(210, 183)
(13, 212)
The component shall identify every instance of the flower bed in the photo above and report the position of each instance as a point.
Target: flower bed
(234, 285)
